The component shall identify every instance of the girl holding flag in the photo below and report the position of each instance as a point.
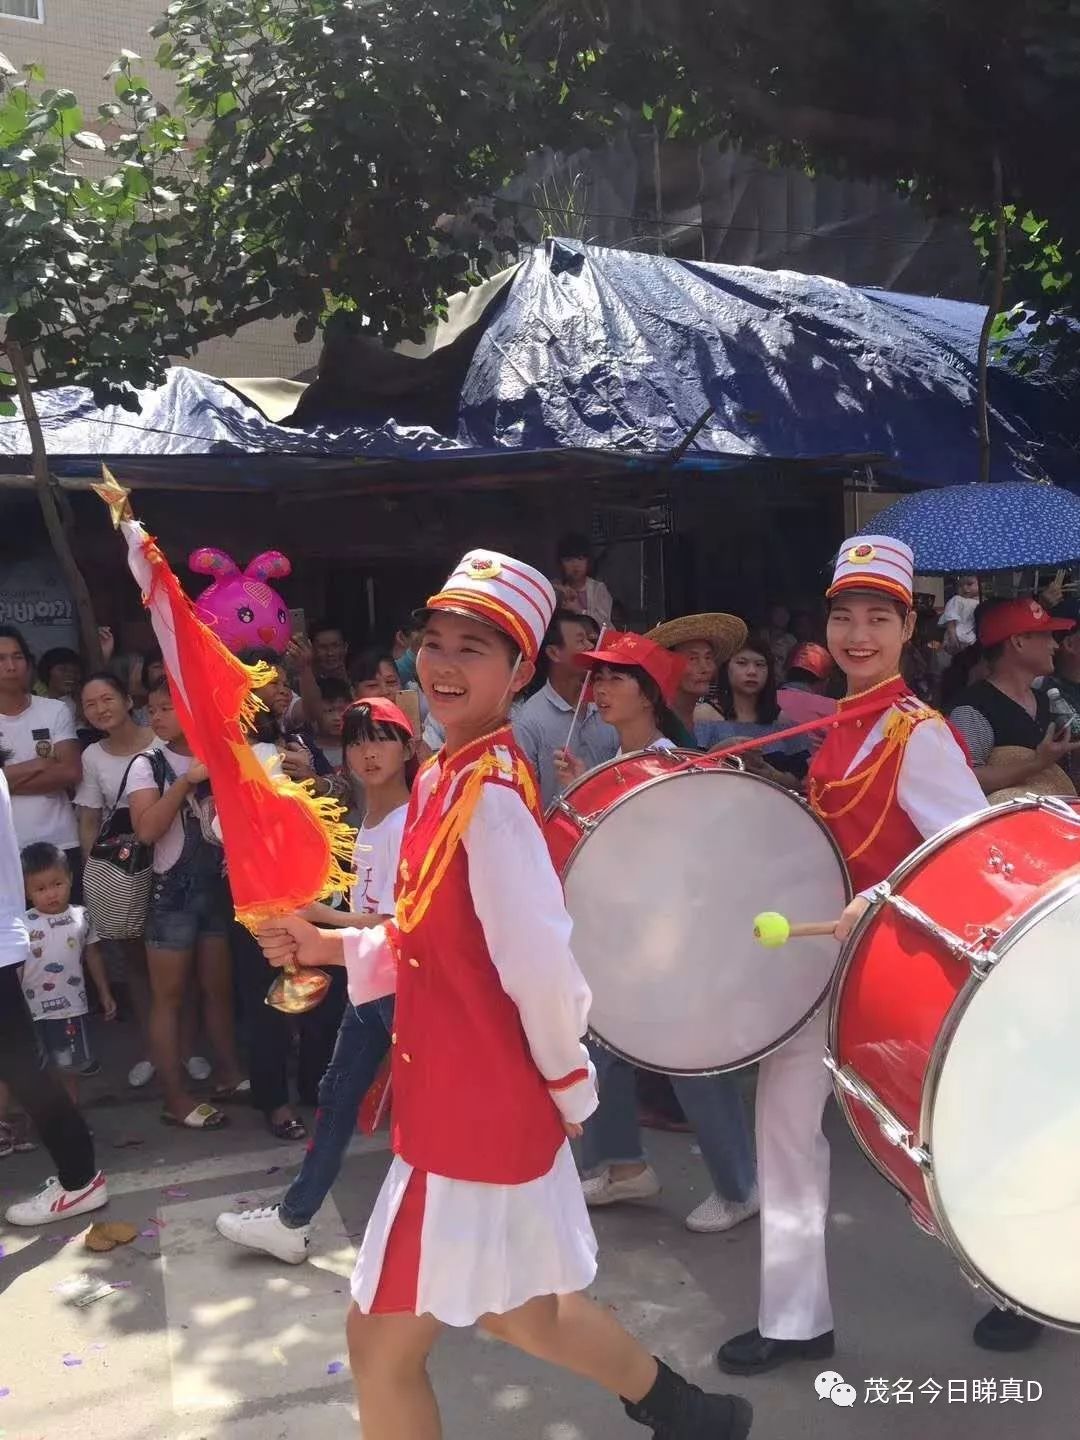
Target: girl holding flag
(482, 1219)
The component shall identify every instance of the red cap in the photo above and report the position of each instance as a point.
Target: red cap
(386, 713)
(1018, 617)
(622, 647)
(815, 659)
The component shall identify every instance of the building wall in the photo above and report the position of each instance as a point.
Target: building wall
(76, 42)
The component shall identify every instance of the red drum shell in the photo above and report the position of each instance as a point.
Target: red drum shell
(899, 994)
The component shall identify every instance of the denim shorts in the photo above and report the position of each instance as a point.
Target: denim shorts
(185, 908)
(65, 1043)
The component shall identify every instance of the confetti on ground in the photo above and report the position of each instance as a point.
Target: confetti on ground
(159, 1223)
(278, 1355)
(71, 1361)
(97, 1346)
(121, 1284)
(243, 1200)
(176, 1194)
(5, 1391)
(3, 1252)
(149, 1234)
(335, 1367)
(273, 1169)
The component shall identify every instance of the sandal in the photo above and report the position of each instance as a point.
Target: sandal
(203, 1117)
(293, 1129)
(231, 1094)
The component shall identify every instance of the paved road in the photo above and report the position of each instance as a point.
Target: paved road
(201, 1341)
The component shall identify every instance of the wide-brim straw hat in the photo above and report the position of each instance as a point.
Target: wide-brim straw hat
(1051, 781)
(725, 633)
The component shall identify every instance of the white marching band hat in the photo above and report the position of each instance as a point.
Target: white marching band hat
(504, 592)
(875, 562)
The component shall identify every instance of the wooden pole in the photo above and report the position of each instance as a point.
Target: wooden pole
(54, 523)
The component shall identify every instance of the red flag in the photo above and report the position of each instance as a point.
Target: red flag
(284, 847)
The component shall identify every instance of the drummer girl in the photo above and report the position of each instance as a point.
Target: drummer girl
(481, 1218)
(634, 682)
(883, 781)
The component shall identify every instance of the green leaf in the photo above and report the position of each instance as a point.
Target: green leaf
(646, 111)
(8, 408)
(65, 100)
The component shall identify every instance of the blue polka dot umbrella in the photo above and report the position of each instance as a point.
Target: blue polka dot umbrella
(978, 528)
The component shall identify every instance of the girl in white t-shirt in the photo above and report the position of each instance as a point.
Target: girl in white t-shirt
(634, 682)
(378, 743)
(108, 707)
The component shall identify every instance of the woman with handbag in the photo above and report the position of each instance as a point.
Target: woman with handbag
(189, 915)
(118, 869)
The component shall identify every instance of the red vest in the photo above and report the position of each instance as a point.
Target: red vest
(861, 809)
(468, 1101)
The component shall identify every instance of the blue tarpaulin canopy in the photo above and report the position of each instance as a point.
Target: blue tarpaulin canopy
(592, 360)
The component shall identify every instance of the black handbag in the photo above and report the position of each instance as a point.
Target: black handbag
(119, 870)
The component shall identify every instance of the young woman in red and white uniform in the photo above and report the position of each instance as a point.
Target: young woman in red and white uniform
(481, 1218)
(883, 783)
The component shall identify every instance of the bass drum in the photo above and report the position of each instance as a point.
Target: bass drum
(954, 1041)
(666, 858)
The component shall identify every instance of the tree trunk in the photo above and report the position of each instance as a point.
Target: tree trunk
(50, 509)
(993, 310)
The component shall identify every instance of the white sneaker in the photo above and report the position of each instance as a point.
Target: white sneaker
(198, 1067)
(715, 1214)
(141, 1074)
(53, 1202)
(263, 1230)
(602, 1189)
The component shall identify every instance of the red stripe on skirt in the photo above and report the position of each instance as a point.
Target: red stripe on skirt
(400, 1273)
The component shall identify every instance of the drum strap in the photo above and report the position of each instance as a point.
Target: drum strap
(827, 722)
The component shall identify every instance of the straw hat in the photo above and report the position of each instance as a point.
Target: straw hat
(725, 633)
(1051, 781)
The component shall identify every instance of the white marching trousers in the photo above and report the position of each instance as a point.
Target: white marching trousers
(793, 1179)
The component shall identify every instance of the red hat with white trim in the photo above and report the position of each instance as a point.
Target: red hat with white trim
(875, 562)
(622, 647)
(1007, 618)
(504, 592)
(385, 712)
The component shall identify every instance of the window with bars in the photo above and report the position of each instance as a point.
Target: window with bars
(23, 9)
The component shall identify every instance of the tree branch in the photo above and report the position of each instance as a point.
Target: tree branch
(993, 310)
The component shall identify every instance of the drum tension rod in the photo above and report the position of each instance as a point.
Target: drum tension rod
(981, 960)
(887, 1122)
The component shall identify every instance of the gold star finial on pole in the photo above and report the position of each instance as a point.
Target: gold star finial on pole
(115, 496)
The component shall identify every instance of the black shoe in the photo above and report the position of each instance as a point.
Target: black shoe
(1003, 1330)
(753, 1354)
(676, 1410)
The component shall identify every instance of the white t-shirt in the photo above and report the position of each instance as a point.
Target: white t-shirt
(31, 736)
(103, 774)
(53, 981)
(963, 612)
(13, 942)
(662, 743)
(375, 862)
(170, 847)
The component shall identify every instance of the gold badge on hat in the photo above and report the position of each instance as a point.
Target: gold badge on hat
(483, 567)
(861, 554)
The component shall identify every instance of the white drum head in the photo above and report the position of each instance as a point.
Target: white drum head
(663, 895)
(1004, 1125)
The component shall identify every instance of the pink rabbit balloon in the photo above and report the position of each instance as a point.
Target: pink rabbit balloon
(239, 606)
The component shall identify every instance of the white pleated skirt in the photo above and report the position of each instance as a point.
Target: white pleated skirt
(459, 1249)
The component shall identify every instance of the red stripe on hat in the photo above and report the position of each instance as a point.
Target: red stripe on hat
(487, 607)
(871, 582)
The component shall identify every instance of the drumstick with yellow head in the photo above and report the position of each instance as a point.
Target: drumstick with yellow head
(772, 929)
